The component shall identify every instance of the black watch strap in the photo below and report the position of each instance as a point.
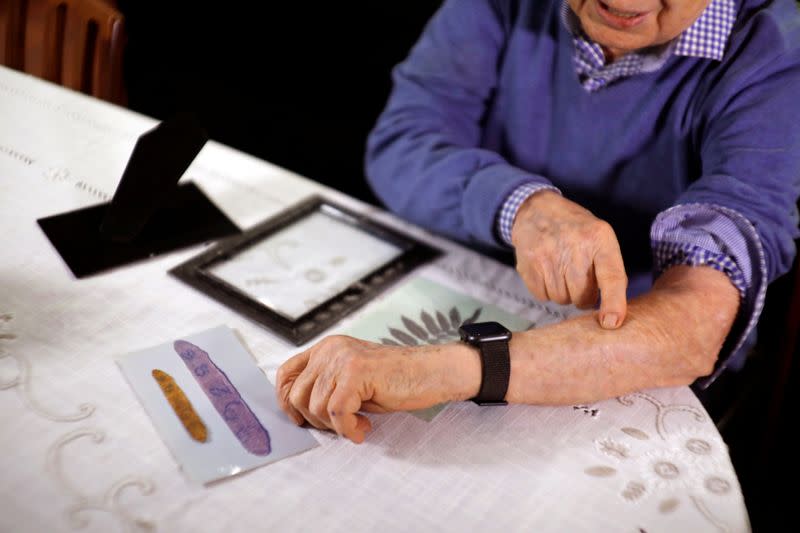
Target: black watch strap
(495, 372)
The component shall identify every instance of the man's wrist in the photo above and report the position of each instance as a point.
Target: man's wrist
(456, 368)
(532, 205)
(511, 206)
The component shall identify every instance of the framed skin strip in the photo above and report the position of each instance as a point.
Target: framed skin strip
(226, 398)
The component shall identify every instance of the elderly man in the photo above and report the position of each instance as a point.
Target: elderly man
(661, 133)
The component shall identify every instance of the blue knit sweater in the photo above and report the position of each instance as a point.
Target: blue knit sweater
(489, 99)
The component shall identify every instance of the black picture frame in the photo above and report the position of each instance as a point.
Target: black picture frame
(298, 330)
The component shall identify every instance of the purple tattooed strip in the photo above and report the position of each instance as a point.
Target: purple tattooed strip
(225, 398)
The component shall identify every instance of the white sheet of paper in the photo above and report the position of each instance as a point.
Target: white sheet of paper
(305, 264)
(222, 454)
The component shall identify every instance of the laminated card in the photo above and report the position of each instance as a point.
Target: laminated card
(214, 408)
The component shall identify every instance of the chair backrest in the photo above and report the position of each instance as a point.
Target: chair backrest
(75, 43)
(11, 33)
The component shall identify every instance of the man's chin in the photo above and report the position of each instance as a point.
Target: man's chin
(626, 41)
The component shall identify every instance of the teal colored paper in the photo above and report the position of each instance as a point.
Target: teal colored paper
(424, 312)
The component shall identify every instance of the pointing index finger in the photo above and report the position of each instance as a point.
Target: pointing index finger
(613, 284)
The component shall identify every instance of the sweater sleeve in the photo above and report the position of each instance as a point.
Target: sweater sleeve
(749, 145)
(424, 159)
(722, 239)
(750, 163)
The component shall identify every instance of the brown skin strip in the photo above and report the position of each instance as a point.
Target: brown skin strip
(181, 405)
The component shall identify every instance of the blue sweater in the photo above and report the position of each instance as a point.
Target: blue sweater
(489, 99)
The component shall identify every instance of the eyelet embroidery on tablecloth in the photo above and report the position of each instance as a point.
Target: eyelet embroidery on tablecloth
(109, 502)
(73, 114)
(22, 381)
(181, 405)
(16, 155)
(683, 460)
(663, 410)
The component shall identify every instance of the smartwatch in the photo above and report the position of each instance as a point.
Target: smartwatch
(491, 339)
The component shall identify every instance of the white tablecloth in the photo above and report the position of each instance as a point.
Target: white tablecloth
(77, 450)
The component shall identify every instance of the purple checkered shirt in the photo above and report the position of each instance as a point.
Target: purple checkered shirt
(693, 234)
(705, 38)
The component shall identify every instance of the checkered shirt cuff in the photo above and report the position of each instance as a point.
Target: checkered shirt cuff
(669, 254)
(508, 212)
(724, 239)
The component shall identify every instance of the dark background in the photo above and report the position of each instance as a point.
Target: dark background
(300, 84)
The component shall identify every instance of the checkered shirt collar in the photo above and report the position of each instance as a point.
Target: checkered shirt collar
(705, 38)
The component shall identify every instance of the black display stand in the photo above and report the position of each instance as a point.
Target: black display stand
(149, 214)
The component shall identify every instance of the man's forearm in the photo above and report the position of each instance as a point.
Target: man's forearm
(672, 336)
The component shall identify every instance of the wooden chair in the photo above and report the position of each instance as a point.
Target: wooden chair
(11, 33)
(75, 43)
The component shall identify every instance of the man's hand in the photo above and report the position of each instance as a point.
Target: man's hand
(673, 335)
(328, 384)
(567, 255)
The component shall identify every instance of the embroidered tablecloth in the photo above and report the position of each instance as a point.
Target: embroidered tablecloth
(77, 451)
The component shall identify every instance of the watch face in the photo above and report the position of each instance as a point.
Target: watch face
(484, 332)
